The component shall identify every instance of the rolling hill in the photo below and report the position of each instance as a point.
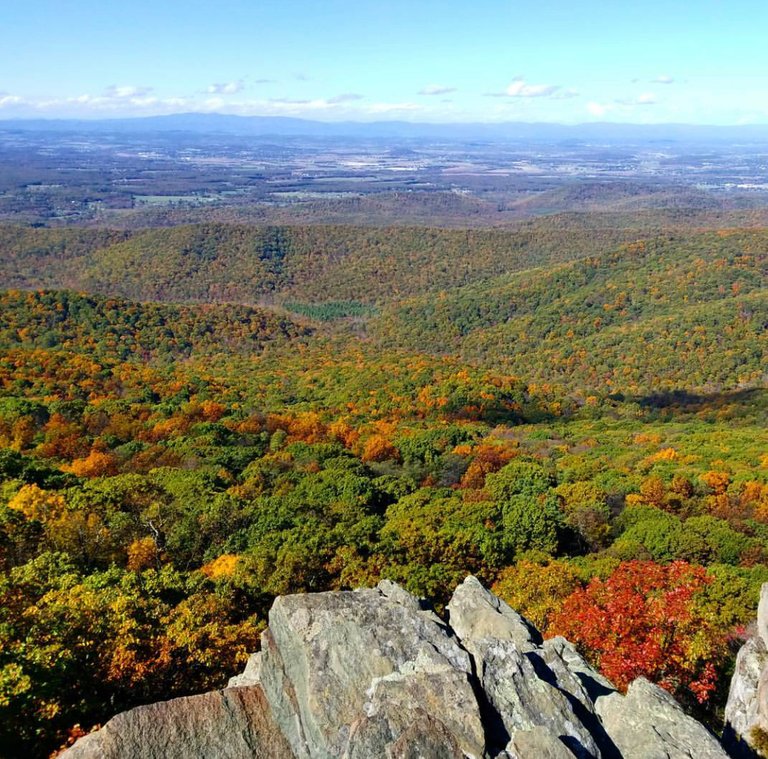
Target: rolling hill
(686, 312)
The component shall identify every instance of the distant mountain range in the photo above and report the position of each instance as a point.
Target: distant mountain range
(213, 123)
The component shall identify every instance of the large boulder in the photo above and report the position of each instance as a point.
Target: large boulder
(743, 711)
(475, 614)
(235, 723)
(520, 687)
(340, 667)
(762, 614)
(376, 673)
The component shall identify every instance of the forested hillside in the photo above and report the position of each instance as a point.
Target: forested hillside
(664, 313)
(577, 418)
(217, 262)
(563, 303)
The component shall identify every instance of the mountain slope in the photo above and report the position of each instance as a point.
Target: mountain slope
(686, 312)
(554, 301)
(220, 262)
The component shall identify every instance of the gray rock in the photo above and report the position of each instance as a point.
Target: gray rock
(514, 675)
(394, 592)
(251, 675)
(445, 696)
(747, 705)
(524, 699)
(741, 710)
(574, 674)
(424, 738)
(231, 724)
(403, 713)
(648, 723)
(475, 614)
(536, 743)
(332, 659)
(762, 614)
(583, 686)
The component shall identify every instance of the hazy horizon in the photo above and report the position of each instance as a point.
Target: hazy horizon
(204, 117)
(352, 120)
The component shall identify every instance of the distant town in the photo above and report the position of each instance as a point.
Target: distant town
(78, 173)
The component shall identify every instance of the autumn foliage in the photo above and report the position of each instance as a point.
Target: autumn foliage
(166, 471)
(644, 621)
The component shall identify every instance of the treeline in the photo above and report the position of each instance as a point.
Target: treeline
(686, 311)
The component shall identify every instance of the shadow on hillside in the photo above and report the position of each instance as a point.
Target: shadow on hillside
(732, 403)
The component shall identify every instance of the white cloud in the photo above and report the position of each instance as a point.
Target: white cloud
(436, 89)
(297, 105)
(288, 101)
(112, 102)
(9, 100)
(126, 91)
(212, 104)
(124, 98)
(664, 79)
(519, 88)
(176, 102)
(628, 103)
(225, 88)
(598, 109)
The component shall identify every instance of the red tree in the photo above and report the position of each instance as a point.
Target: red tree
(646, 619)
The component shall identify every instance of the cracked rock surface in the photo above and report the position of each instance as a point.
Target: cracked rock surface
(747, 706)
(376, 673)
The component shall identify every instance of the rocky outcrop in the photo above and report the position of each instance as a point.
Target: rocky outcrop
(376, 673)
(747, 706)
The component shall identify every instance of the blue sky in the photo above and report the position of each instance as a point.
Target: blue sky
(642, 61)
